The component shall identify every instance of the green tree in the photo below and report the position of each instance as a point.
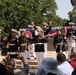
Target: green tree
(18, 13)
(70, 15)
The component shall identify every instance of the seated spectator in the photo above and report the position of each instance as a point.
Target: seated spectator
(64, 65)
(24, 70)
(48, 66)
(10, 64)
(3, 70)
(73, 60)
(74, 72)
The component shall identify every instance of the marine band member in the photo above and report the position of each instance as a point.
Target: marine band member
(71, 37)
(59, 41)
(39, 46)
(12, 41)
(22, 41)
(4, 46)
(45, 29)
(31, 37)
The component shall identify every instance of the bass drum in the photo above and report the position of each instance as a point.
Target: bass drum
(28, 33)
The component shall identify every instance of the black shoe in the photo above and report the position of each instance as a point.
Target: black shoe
(34, 58)
(28, 58)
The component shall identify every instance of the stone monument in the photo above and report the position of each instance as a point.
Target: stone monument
(73, 2)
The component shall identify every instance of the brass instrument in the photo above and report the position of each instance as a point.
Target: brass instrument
(24, 44)
(7, 46)
(71, 38)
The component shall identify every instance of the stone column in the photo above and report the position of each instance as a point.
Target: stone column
(73, 2)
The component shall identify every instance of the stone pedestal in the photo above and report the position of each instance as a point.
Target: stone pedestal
(50, 44)
(73, 2)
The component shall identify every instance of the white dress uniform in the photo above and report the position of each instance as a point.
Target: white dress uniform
(45, 47)
(31, 53)
(71, 34)
(71, 45)
(31, 48)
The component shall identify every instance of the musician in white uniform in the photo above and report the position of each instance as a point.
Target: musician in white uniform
(12, 41)
(71, 37)
(23, 44)
(59, 41)
(39, 46)
(30, 37)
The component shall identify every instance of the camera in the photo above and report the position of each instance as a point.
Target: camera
(13, 55)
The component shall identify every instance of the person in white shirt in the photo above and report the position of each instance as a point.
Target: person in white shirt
(63, 64)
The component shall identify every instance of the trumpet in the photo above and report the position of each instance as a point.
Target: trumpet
(7, 46)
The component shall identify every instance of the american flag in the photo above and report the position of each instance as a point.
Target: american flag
(52, 32)
(65, 29)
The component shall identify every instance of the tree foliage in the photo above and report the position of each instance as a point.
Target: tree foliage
(70, 15)
(18, 13)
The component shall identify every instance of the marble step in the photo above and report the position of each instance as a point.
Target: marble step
(33, 63)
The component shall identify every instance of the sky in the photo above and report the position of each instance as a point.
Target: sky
(64, 6)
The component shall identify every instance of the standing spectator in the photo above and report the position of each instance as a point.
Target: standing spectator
(63, 65)
(48, 66)
(71, 37)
